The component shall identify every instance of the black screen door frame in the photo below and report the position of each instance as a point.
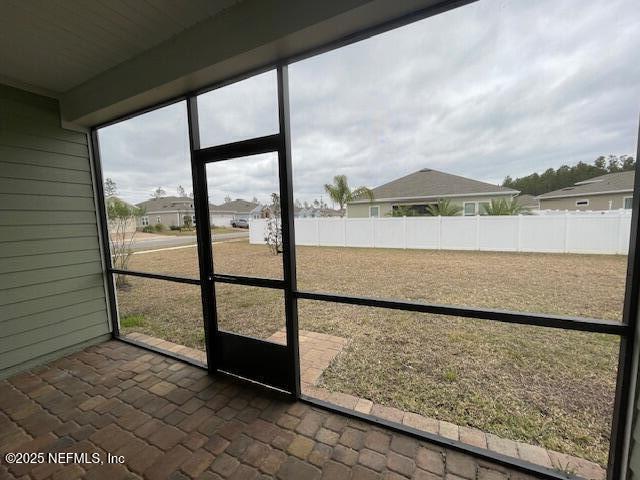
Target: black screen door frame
(268, 363)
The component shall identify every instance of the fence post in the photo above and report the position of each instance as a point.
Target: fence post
(344, 230)
(318, 231)
(519, 237)
(439, 232)
(478, 232)
(566, 231)
(404, 231)
(620, 237)
(373, 232)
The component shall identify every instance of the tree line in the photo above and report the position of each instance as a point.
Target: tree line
(566, 176)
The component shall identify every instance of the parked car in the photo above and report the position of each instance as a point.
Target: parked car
(240, 223)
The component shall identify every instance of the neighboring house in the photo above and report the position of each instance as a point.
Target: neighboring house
(129, 225)
(425, 187)
(528, 201)
(606, 192)
(222, 215)
(313, 212)
(167, 211)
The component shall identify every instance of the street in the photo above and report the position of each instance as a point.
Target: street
(152, 242)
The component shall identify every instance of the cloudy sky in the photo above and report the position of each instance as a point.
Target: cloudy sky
(491, 89)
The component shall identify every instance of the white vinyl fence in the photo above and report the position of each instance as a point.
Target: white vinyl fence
(556, 233)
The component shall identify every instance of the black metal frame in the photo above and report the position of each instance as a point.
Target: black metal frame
(282, 144)
(269, 363)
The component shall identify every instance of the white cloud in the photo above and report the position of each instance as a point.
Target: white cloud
(487, 90)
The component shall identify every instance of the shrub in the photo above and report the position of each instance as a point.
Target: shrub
(148, 229)
(121, 217)
(444, 208)
(174, 228)
(159, 227)
(505, 207)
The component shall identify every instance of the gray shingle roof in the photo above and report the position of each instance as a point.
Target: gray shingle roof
(527, 200)
(235, 206)
(611, 182)
(167, 204)
(428, 183)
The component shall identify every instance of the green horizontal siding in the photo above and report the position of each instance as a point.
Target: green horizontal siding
(39, 247)
(82, 333)
(45, 187)
(35, 218)
(36, 125)
(37, 142)
(46, 173)
(21, 339)
(52, 274)
(52, 297)
(16, 233)
(21, 156)
(26, 263)
(12, 295)
(44, 203)
(44, 305)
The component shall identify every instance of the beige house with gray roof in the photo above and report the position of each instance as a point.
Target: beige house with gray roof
(167, 211)
(222, 215)
(425, 187)
(612, 191)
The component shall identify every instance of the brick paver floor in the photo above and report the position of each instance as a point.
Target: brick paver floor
(167, 419)
(317, 351)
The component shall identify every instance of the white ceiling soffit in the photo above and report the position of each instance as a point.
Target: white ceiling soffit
(59, 44)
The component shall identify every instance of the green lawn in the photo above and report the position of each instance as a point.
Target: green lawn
(543, 386)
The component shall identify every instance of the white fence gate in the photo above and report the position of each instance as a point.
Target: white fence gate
(555, 233)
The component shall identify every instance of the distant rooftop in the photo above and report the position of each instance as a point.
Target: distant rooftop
(235, 206)
(166, 204)
(433, 184)
(611, 182)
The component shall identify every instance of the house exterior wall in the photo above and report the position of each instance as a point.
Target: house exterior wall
(52, 295)
(361, 210)
(220, 220)
(596, 202)
(167, 219)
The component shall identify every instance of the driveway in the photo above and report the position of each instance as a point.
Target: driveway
(151, 241)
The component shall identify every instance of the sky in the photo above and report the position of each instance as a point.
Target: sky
(487, 90)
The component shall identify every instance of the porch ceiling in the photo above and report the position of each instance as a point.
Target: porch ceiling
(107, 58)
(57, 45)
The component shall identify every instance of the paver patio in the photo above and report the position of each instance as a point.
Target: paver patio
(172, 420)
(317, 350)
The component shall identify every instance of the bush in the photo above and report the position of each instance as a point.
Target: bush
(148, 229)
(174, 228)
(159, 227)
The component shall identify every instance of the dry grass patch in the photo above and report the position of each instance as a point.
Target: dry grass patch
(539, 385)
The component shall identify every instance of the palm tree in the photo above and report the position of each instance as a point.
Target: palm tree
(444, 208)
(505, 207)
(341, 194)
(402, 211)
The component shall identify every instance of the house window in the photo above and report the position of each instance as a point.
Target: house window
(374, 211)
(582, 203)
(157, 219)
(483, 207)
(144, 221)
(469, 208)
(628, 203)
